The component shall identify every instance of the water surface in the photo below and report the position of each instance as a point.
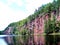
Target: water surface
(30, 40)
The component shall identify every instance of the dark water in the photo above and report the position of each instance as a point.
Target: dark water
(30, 40)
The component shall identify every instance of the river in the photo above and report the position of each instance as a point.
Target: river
(2, 40)
(30, 40)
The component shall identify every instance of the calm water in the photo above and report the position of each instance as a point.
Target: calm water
(2, 41)
(30, 40)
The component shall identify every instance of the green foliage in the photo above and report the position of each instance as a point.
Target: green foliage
(50, 25)
(0, 32)
(12, 24)
(58, 2)
(24, 32)
(15, 31)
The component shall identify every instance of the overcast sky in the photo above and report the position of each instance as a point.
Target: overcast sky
(15, 10)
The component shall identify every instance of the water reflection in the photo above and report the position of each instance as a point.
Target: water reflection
(31, 40)
(52, 39)
(2, 42)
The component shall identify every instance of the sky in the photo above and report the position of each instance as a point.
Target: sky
(15, 10)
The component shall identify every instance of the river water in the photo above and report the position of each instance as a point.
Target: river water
(30, 40)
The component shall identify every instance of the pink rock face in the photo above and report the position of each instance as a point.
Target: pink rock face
(8, 31)
(39, 26)
(46, 17)
(58, 18)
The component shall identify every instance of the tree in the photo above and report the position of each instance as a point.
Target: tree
(0, 32)
(58, 6)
